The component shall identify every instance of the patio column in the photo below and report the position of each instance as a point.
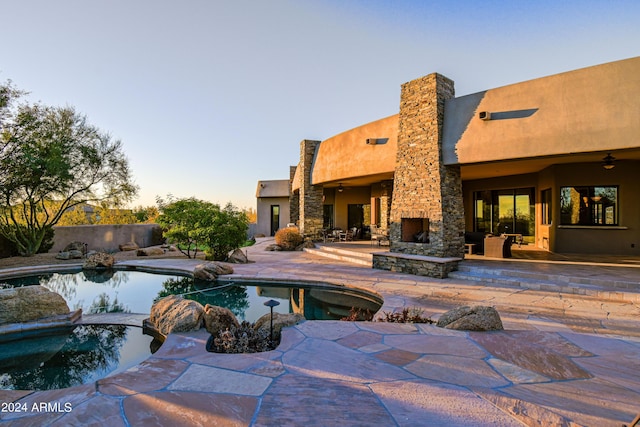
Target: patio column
(310, 211)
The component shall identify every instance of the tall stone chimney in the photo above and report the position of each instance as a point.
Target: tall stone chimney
(427, 213)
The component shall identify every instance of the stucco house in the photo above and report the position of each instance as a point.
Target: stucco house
(554, 161)
(272, 206)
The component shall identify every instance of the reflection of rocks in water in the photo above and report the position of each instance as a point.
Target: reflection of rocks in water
(98, 276)
(29, 353)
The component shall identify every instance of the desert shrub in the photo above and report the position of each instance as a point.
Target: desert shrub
(244, 339)
(407, 315)
(288, 238)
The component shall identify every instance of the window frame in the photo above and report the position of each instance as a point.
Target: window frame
(593, 211)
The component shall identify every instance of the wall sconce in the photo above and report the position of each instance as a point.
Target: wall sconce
(607, 162)
(340, 188)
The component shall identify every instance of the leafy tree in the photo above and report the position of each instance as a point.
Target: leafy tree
(196, 225)
(52, 159)
(146, 214)
(104, 214)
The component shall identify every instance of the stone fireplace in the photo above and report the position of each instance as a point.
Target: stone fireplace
(427, 213)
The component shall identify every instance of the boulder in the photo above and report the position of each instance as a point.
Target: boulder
(238, 257)
(30, 303)
(176, 314)
(478, 318)
(150, 251)
(306, 244)
(76, 246)
(279, 321)
(209, 271)
(72, 254)
(130, 246)
(219, 319)
(99, 261)
(273, 247)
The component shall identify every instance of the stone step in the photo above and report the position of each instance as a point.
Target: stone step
(618, 290)
(353, 257)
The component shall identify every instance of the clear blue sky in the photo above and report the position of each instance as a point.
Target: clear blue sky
(210, 96)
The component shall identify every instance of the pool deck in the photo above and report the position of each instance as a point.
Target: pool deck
(564, 358)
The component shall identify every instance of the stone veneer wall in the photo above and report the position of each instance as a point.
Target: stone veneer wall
(385, 204)
(423, 186)
(310, 210)
(294, 198)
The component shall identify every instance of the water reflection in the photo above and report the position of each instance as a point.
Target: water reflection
(46, 363)
(234, 298)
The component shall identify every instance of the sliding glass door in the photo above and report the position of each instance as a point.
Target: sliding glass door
(510, 211)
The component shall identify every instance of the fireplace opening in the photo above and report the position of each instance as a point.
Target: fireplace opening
(415, 230)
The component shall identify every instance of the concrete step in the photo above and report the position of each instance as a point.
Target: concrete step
(365, 259)
(616, 290)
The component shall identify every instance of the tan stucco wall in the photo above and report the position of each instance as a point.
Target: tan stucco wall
(348, 155)
(263, 210)
(611, 240)
(105, 237)
(591, 109)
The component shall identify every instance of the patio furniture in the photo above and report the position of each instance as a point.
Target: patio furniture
(497, 246)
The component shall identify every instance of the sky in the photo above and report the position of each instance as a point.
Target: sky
(209, 96)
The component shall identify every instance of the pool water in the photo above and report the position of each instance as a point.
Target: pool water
(69, 358)
(135, 292)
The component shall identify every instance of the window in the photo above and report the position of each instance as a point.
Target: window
(592, 206)
(505, 211)
(546, 206)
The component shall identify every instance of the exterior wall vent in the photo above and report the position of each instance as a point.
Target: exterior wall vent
(484, 115)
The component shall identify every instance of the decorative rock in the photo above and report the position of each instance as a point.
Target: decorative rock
(478, 318)
(279, 321)
(72, 254)
(219, 319)
(30, 303)
(176, 314)
(75, 246)
(150, 251)
(99, 260)
(305, 244)
(210, 271)
(75, 254)
(131, 246)
(273, 247)
(238, 257)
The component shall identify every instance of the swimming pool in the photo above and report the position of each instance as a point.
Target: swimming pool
(135, 292)
(70, 357)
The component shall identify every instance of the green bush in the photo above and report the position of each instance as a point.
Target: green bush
(195, 225)
(288, 238)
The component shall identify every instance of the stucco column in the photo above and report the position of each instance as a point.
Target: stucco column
(310, 210)
(425, 190)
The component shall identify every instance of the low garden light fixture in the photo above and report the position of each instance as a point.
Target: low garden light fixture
(271, 303)
(607, 162)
